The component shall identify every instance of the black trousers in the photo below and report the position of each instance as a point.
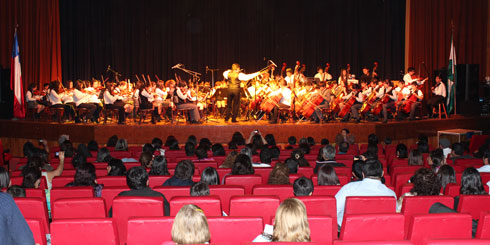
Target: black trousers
(433, 102)
(233, 103)
(69, 111)
(92, 109)
(118, 105)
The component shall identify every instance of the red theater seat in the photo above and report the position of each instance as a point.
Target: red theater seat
(254, 206)
(326, 190)
(282, 191)
(264, 172)
(343, 171)
(400, 180)
(452, 189)
(78, 208)
(70, 192)
(172, 191)
(483, 230)
(112, 181)
(318, 227)
(343, 179)
(204, 164)
(399, 242)
(211, 205)
(293, 177)
(439, 226)
(457, 242)
(34, 208)
(149, 230)
(35, 192)
(121, 154)
(224, 230)
(474, 204)
(158, 180)
(38, 231)
(17, 180)
(124, 207)
(403, 169)
(369, 205)
(247, 181)
(305, 171)
(359, 227)
(222, 172)
(322, 206)
(109, 193)
(413, 205)
(225, 192)
(61, 181)
(83, 231)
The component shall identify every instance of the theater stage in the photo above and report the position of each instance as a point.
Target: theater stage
(221, 131)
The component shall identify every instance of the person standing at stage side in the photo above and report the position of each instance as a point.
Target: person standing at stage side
(439, 91)
(234, 76)
(181, 99)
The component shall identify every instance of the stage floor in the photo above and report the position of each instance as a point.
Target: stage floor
(220, 131)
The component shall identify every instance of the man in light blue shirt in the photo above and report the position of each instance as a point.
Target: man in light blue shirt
(371, 185)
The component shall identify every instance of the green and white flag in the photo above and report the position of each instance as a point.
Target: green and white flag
(451, 78)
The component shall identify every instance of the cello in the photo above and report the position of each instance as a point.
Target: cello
(407, 104)
(348, 104)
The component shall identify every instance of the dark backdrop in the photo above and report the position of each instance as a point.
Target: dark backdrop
(151, 36)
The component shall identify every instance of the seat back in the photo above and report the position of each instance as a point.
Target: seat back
(83, 231)
(225, 192)
(318, 226)
(435, 226)
(369, 205)
(149, 230)
(38, 231)
(61, 181)
(35, 192)
(109, 193)
(343, 179)
(473, 204)
(34, 208)
(400, 180)
(71, 192)
(172, 191)
(282, 191)
(457, 242)
(17, 180)
(452, 190)
(78, 208)
(224, 229)
(305, 171)
(404, 169)
(247, 181)
(358, 227)
(322, 206)
(254, 206)
(211, 205)
(326, 190)
(158, 180)
(124, 207)
(264, 172)
(108, 181)
(399, 242)
(483, 230)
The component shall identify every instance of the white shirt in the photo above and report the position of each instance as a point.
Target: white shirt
(54, 97)
(286, 96)
(162, 95)
(440, 90)
(67, 97)
(80, 97)
(147, 95)
(241, 76)
(366, 187)
(446, 151)
(408, 79)
(109, 99)
(484, 169)
(30, 97)
(289, 80)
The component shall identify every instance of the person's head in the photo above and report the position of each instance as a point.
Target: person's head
(373, 149)
(4, 178)
(373, 139)
(297, 154)
(279, 175)
(157, 143)
(303, 187)
(291, 222)
(235, 67)
(27, 149)
(205, 143)
(425, 183)
(238, 138)
(199, 189)
(401, 151)
(190, 226)
(173, 145)
(210, 176)
(266, 155)
(121, 145)
(486, 157)
(311, 141)
(16, 191)
(457, 149)
(115, 167)
(344, 132)
(184, 170)
(387, 141)
(62, 139)
(146, 159)
(422, 138)
(328, 152)
(275, 151)
(192, 139)
(423, 147)
(471, 183)
(436, 159)
(32, 177)
(372, 169)
(444, 143)
(111, 142)
(292, 140)
(324, 141)
(292, 165)
(327, 176)
(411, 71)
(269, 138)
(67, 147)
(415, 158)
(137, 178)
(218, 150)
(229, 160)
(201, 152)
(343, 147)
(85, 175)
(103, 155)
(32, 87)
(83, 150)
(148, 148)
(242, 165)
(446, 175)
(357, 166)
(159, 166)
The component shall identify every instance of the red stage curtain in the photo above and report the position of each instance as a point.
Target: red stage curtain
(39, 38)
(430, 34)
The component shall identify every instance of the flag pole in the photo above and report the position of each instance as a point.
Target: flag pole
(454, 67)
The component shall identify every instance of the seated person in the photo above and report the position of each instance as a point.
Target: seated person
(16, 191)
(183, 174)
(85, 176)
(486, 166)
(242, 165)
(344, 135)
(190, 226)
(199, 189)
(328, 155)
(458, 152)
(303, 187)
(115, 167)
(327, 176)
(13, 226)
(343, 147)
(425, 183)
(265, 158)
(159, 166)
(279, 175)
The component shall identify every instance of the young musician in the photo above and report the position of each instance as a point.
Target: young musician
(357, 93)
(182, 97)
(439, 91)
(234, 76)
(285, 101)
(220, 97)
(366, 76)
(392, 94)
(289, 77)
(322, 75)
(147, 101)
(407, 78)
(55, 98)
(82, 100)
(113, 101)
(343, 79)
(32, 100)
(413, 95)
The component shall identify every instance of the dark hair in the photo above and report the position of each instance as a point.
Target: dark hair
(121, 145)
(303, 187)
(401, 151)
(328, 152)
(327, 176)
(78, 160)
(218, 150)
(486, 155)
(238, 138)
(67, 147)
(232, 145)
(190, 149)
(192, 139)
(4, 178)
(305, 148)
(242, 165)
(279, 175)
(174, 145)
(184, 170)
(157, 143)
(346, 130)
(265, 155)
(387, 141)
(206, 143)
(415, 158)
(257, 143)
(269, 138)
(111, 142)
(437, 159)
(137, 178)
(357, 166)
(422, 138)
(103, 155)
(471, 183)
(199, 189)
(93, 145)
(343, 147)
(311, 140)
(148, 148)
(292, 140)
(31, 87)
(83, 150)
(16, 191)
(34, 162)
(324, 141)
(210, 176)
(117, 167)
(425, 183)
(159, 166)
(292, 165)
(201, 152)
(410, 69)
(446, 175)
(169, 140)
(458, 149)
(31, 175)
(372, 168)
(423, 147)
(275, 151)
(373, 149)
(85, 175)
(373, 139)
(27, 149)
(146, 159)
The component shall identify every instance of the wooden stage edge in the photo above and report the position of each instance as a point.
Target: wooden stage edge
(222, 132)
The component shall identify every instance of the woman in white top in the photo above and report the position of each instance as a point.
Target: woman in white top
(82, 100)
(55, 98)
(32, 100)
(161, 96)
(112, 101)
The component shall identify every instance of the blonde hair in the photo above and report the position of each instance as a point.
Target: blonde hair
(291, 223)
(190, 226)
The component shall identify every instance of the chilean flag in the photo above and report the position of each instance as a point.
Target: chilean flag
(16, 81)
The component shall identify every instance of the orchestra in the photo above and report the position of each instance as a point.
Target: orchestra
(255, 96)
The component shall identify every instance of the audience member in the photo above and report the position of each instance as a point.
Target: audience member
(13, 226)
(206, 143)
(111, 142)
(328, 155)
(445, 145)
(237, 139)
(327, 176)
(266, 156)
(291, 143)
(324, 142)
(242, 165)
(31, 177)
(202, 154)
(436, 160)
(344, 135)
(357, 166)
(299, 156)
(292, 165)
(115, 167)
(423, 147)
(93, 146)
(103, 155)
(192, 139)
(4, 178)
(446, 175)
(183, 174)
(159, 166)
(190, 226)
(148, 148)
(146, 159)
(343, 147)
(16, 191)
(269, 138)
(121, 145)
(218, 150)
(458, 152)
(229, 160)
(279, 175)
(83, 150)
(199, 189)
(210, 176)
(486, 163)
(190, 149)
(415, 158)
(425, 183)
(401, 151)
(157, 143)
(471, 184)
(276, 152)
(85, 176)
(303, 187)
